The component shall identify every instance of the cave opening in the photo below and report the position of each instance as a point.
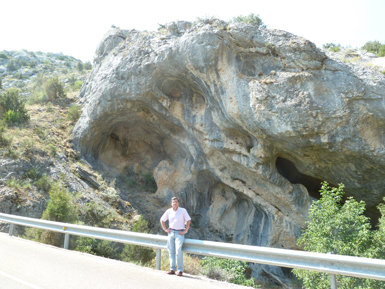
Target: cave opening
(288, 170)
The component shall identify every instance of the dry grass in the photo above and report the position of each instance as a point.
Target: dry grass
(47, 133)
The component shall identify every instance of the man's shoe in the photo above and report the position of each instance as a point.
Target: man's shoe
(171, 272)
(180, 273)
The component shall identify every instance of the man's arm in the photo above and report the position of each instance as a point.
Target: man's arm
(164, 227)
(163, 220)
(186, 229)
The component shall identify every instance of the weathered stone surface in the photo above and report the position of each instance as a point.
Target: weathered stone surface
(242, 122)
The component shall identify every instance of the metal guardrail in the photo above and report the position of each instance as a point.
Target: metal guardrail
(327, 263)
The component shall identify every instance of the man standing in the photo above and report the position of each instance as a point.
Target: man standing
(178, 225)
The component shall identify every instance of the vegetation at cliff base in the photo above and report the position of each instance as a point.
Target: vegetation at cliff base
(60, 208)
(138, 254)
(232, 271)
(340, 227)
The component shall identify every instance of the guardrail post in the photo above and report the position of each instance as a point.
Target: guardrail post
(66, 240)
(158, 259)
(333, 281)
(11, 228)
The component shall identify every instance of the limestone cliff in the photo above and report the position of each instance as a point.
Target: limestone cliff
(242, 122)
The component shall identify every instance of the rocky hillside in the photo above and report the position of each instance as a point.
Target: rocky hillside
(20, 68)
(39, 153)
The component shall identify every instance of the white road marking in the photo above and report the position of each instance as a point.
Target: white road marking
(19, 280)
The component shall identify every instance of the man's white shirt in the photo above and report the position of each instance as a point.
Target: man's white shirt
(176, 219)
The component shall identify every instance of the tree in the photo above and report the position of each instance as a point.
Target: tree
(60, 208)
(372, 46)
(80, 66)
(339, 227)
(12, 107)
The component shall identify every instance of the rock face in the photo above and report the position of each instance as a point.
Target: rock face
(242, 122)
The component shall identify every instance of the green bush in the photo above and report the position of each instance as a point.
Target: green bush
(80, 66)
(85, 245)
(232, 271)
(249, 19)
(52, 149)
(33, 174)
(87, 65)
(12, 107)
(205, 20)
(3, 55)
(149, 182)
(379, 235)
(332, 47)
(14, 117)
(381, 51)
(3, 140)
(77, 84)
(43, 183)
(37, 96)
(102, 248)
(138, 254)
(339, 227)
(73, 113)
(375, 47)
(54, 89)
(141, 181)
(96, 214)
(12, 65)
(28, 147)
(372, 46)
(18, 184)
(60, 208)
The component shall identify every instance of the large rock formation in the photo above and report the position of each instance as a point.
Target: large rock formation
(242, 122)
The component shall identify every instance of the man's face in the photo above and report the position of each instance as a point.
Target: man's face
(174, 204)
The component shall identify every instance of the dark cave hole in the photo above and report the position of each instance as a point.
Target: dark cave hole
(288, 170)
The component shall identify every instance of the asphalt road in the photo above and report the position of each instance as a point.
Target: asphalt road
(29, 265)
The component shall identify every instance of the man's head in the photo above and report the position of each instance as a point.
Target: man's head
(174, 203)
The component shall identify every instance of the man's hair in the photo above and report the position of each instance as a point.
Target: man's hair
(174, 198)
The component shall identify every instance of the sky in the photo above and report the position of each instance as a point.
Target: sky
(76, 27)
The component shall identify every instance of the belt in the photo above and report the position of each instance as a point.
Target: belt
(176, 229)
